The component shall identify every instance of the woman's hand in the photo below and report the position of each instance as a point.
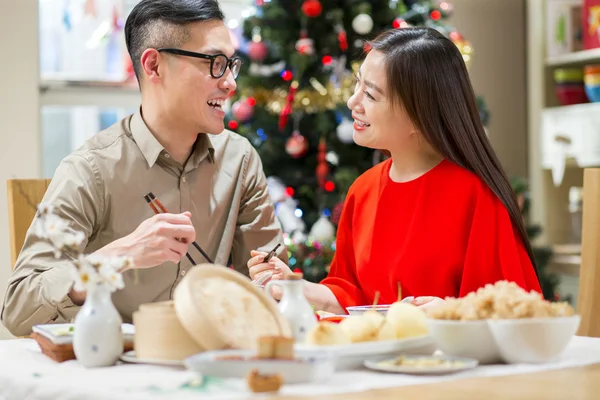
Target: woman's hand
(275, 267)
(427, 302)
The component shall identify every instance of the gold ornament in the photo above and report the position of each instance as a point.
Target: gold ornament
(312, 99)
(466, 50)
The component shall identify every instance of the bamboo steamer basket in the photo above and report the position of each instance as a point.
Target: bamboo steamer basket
(159, 335)
(235, 327)
(196, 321)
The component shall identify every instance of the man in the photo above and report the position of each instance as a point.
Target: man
(213, 184)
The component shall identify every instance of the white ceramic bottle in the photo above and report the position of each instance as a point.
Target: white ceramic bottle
(98, 336)
(294, 306)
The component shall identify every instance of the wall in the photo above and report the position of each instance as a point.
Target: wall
(19, 121)
(496, 29)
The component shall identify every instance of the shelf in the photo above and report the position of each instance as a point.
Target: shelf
(89, 93)
(575, 58)
(566, 249)
(584, 107)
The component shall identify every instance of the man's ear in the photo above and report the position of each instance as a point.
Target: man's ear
(150, 61)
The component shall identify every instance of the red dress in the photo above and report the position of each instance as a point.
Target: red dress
(442, 234)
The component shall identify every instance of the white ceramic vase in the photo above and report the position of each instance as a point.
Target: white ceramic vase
(97, 336)
(295, 307)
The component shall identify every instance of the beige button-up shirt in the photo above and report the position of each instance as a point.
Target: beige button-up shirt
(100, 188)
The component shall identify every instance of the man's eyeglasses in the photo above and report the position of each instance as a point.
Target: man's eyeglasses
(218, 62)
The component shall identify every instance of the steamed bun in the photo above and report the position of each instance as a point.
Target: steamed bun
(361, 328)
(327, 333)
(408, 320)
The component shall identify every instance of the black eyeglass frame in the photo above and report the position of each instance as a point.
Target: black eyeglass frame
(211, 57)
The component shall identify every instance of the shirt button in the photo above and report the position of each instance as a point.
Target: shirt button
(167, 155)
(184, 179)
(183, 272)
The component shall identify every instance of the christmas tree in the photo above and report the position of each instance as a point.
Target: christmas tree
(299, 62)
(549, 281)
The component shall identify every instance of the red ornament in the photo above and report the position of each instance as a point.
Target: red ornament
(367, 47)
(322, 167)
(312, 8)
(257, 51)
(297, 145)
(233, 124)
(329, 186)
(455, 36)
(436, 15)
(297, 271)
(327, 60)
(289, 191)
(399, 23)
(342, 39)
(287, 75)
(287, 109)
(251, 101)
(242, 110)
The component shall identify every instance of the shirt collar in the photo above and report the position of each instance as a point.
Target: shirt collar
(151, 147)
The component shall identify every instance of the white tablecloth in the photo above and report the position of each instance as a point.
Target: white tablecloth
(25, 373)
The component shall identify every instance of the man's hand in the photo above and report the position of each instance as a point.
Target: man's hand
(164, 237)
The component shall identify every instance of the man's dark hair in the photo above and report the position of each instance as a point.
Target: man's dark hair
(164, 23)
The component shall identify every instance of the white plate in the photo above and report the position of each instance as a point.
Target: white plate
(130, 357)
(352, 356)
(462, 364)
(307, 367)
(63, 333)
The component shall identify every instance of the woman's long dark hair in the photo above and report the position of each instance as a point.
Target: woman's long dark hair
(429, 79)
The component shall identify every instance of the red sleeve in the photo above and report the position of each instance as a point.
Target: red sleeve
(342, 275)
(495, 250)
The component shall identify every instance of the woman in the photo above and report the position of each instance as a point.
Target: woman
(439, 217)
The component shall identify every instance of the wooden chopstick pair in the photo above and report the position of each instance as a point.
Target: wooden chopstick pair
(159, 208)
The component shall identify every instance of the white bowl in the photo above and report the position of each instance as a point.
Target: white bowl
(359, 310)
(381, 308)
(533, 340)
(470, 339)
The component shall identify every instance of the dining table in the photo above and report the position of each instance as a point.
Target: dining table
(26, 373)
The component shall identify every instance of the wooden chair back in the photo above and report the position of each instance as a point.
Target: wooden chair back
(20, 211)
(588, 298)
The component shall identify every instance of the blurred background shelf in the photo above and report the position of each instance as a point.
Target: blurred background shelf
(575, 58)
(89, 93)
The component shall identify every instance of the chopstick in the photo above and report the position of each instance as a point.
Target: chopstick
(153, 202)
(271, 253)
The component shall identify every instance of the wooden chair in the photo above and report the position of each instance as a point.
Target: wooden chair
(588, 298)
(21, 193)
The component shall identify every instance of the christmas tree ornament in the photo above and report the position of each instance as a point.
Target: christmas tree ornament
(287, 109)
(332, 158)
(323, 230)
(242, 110)
(305, 45)
(342, 37)
(362, 24)
(257, 49)
(322, 171)
(312, 8)
(399, 23)
(345, 131)
(446, 8)
(464, 46)
(297, 145)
